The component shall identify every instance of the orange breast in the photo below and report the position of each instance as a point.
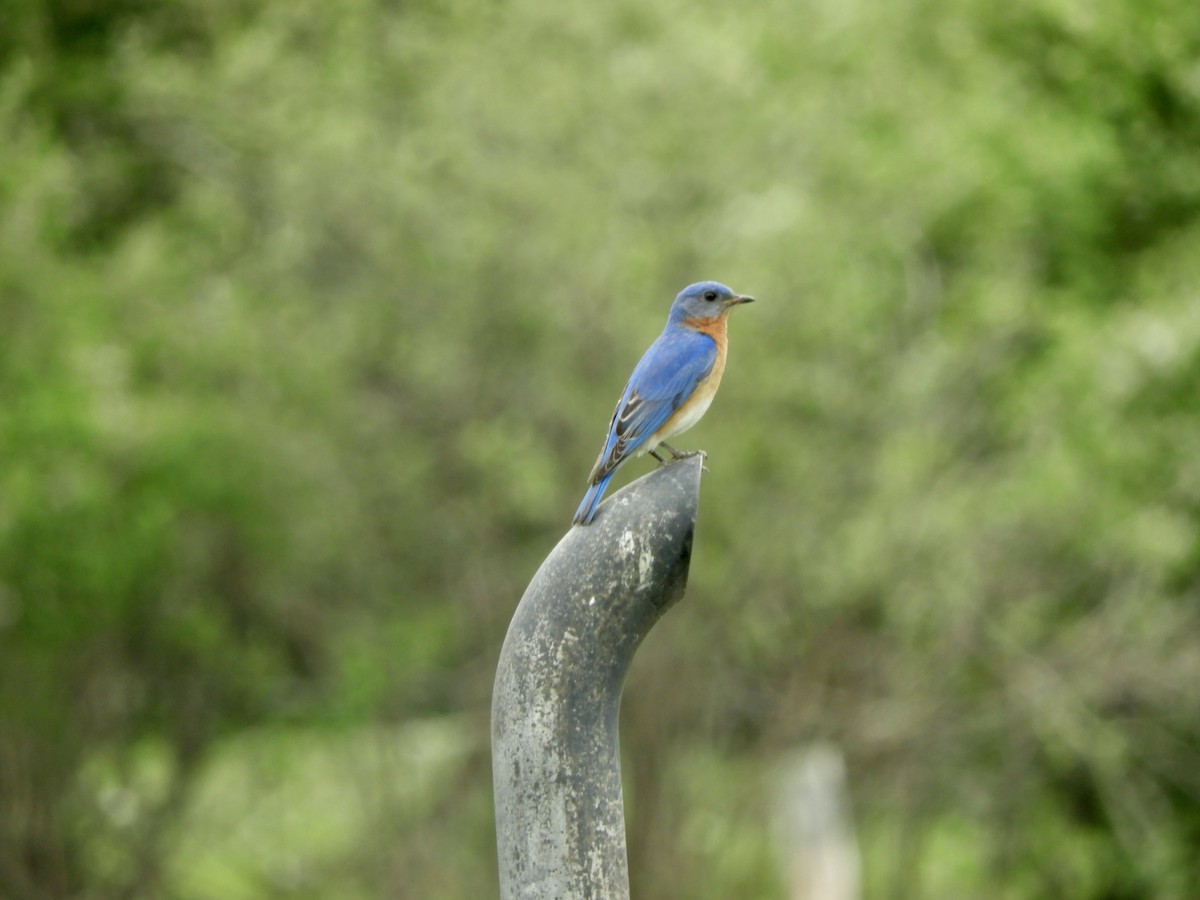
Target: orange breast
(695, 406)
(717, 329)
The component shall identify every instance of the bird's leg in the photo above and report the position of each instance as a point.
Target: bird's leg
(654, 453)
(679, 454)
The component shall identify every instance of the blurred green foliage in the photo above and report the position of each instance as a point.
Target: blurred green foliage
(311, 318)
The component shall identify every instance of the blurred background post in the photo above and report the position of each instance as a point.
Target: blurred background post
(814, 831)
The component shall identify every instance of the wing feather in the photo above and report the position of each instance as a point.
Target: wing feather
(664, 378)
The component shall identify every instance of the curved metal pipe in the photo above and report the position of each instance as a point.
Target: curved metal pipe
(560, 823)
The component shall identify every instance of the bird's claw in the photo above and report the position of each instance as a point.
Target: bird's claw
(680, 454)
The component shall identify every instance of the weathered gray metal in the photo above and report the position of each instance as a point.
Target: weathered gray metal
(560, 824)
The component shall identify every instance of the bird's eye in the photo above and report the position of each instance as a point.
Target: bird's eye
(710, 295)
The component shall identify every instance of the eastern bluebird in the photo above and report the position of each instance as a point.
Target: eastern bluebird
(670, 389)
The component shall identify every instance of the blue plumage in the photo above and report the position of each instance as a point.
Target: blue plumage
(670, 387)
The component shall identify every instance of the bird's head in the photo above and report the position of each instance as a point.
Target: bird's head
(705, 300)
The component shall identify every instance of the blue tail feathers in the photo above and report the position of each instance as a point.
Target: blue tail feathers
(587, 509)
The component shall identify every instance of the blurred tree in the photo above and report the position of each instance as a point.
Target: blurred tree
(311, 317)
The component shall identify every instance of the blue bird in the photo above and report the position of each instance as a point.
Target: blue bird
(670, 388)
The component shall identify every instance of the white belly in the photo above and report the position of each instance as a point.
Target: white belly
(685, 417)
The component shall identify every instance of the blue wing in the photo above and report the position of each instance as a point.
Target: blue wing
(664, 378)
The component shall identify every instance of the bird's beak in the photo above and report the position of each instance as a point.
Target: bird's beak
(739, 298)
